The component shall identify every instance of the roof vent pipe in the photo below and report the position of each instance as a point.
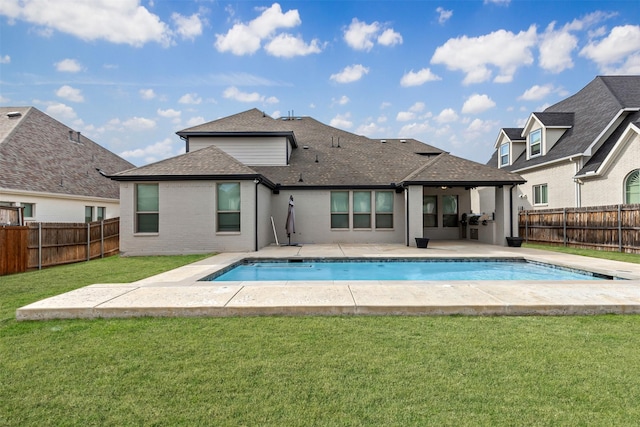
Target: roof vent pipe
(78, 136)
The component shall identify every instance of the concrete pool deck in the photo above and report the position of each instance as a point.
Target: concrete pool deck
(178, 293)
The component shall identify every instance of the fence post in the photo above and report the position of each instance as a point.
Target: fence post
(39, 246)
(102, 239)
(526, 226)
(564, 226)
(620, 228)
(88, 241)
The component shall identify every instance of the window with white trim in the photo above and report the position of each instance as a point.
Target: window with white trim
(339, 209)
(228, 195)
(362, 209)
(449, 210)
(101, 213)
(540, 194)
(429, 211)
(88, 213)
(632, 187)
(29, 209)
(535, 143)
(384, 209)
(504, 154)
(147, 208)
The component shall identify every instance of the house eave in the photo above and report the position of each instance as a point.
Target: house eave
(465, 184)
(231, 177)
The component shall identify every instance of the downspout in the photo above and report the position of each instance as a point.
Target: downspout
(257, 182)
(511, 210)
(406, 202)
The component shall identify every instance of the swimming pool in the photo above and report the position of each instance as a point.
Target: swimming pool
(397, 269)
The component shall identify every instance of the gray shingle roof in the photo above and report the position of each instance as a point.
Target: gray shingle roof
(36, 154)
(514, 134)
(550, 119)
(593, 108)
(325, 157)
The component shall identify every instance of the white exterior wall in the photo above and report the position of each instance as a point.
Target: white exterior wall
(560, 186)
(186, 221)
(252, 151)
(313, 220)
(609, 188)
(51, 207)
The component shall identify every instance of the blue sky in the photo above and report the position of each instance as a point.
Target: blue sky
(129, 74)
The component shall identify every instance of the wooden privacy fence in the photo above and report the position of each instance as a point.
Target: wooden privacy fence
(610, 228)
(48, 244)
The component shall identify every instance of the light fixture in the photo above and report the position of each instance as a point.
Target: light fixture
(444, 187)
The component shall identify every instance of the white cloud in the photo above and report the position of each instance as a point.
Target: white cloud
(444, 15)
(343, 100)
(122, 21)
(154, 152)
(389, 37)
(474, 56)
(195, 121)
(237, 95)
(481, 126)
(556, 47)
(139, 124)
(361, 36)
(70, 94)
(618, 52)
(342, 121)
(418, 78)
(370, 129)
(246, 39)
(536, 92)
(288, 46)
(412, 113)
(350, 74)
(5, 59)
(169, 113)
(477, 103)
(190, 98)
(147, 93)
(414, 129)
(447, 115)
(187, 27)
(68, 66)
(61, 111)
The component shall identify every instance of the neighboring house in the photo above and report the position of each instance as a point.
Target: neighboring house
(582, 151)
(53, 172)
(230, 191)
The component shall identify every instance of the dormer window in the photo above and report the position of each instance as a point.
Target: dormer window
(535, 143)
(504, 155)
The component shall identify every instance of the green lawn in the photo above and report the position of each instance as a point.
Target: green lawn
(616, 256)
(302, 371)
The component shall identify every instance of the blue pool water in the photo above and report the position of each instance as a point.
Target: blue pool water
(398, 270)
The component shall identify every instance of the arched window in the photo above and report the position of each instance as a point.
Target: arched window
(632, 187)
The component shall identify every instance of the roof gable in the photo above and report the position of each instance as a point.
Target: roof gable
(40, 154)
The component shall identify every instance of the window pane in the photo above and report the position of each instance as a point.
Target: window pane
(449, 220)
(28, 210)
(362, 201)
(535, 141)
(362, 221)
(384, 202)
(384, 220)
(429, 220)
(504, 154)
(147, 197)
(88, 213)
(339, 220)
(429, 204)
(450, 204)
(339, 201)
(101, 213)
(228, 221)
(543, 191)
(632, 188)
(147, 222)
(229, 196)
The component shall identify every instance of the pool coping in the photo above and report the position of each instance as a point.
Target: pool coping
(179, 293)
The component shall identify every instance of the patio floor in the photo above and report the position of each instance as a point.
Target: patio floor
(178, 293)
